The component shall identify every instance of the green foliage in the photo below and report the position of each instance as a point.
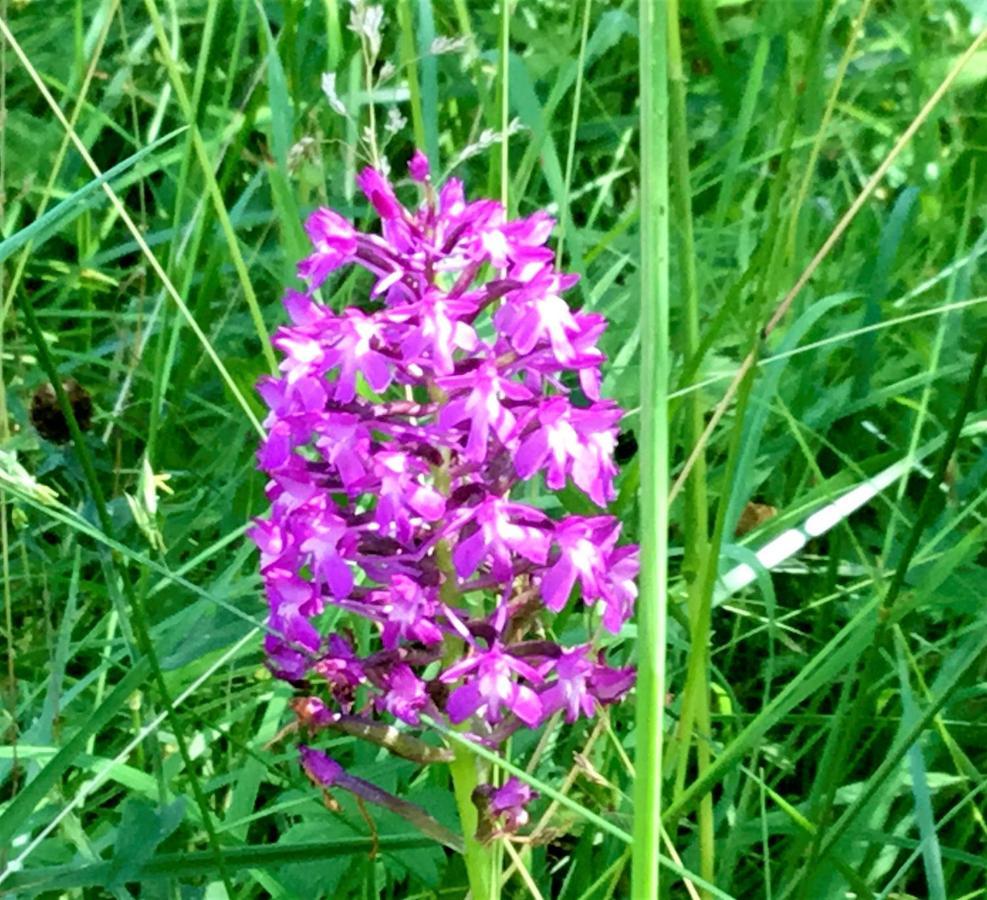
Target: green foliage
(844, 689)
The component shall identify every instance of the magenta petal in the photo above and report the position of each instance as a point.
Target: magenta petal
(376, 372)
(531, 455)
(463, 702)
(418, 166)
(301, 308)
(469, 553)
(428, 503)
(556, 584)
(339, 577)
(526, 706)
(379, 193)
(476, 446)
(276, 450)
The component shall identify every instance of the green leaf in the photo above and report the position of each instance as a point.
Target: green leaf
(142, 828)
(198, 864)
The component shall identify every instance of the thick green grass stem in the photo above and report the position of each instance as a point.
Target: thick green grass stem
(653, 441)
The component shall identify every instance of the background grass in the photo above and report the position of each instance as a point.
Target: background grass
(826, 731)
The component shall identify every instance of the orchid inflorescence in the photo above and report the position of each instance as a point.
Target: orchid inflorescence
(395, 437)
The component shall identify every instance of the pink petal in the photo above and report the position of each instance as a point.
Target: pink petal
(557, 582)
(526, 706)
(463, 703)
(469, 553)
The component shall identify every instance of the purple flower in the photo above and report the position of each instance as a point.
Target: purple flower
(621, 590)
(334, 239)
(439, 332)
(410, 614)
(403, 495)
(508, 802)
(418, 166)
(293, 601)
(321, 547)
(538, 313)
(572, 441)
(405, 695)
(581, 684)
(398, 432)
(584, 547)
(500, 530)
(284, 660)
(342, 671)
(379, 193)
(354, 350)
(570, 690)
(482, 406)
(492, 687)
(322, 769)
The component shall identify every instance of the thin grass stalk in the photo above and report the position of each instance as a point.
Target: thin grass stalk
(564, 211)
(409, 59)
(653, 442)
(8, 614)
(505, 102)
(699, 556)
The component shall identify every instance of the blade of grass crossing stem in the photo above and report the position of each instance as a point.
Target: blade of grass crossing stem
(564, 800)
(653, 441)
(212, 185)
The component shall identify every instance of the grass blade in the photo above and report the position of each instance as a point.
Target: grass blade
(76, 203)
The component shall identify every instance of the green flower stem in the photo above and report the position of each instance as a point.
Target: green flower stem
(479, 859)
(482, 861)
